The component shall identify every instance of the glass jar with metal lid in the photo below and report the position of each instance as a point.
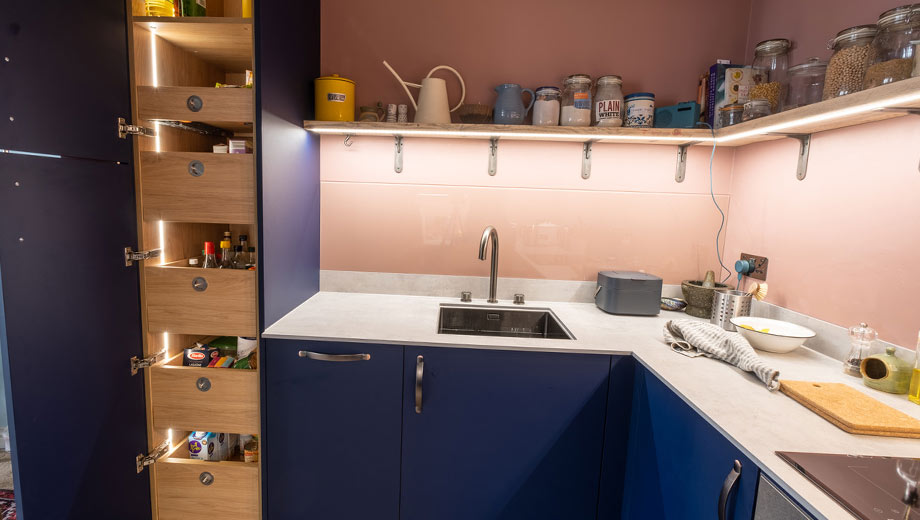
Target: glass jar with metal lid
(755, 108)
(806, 83)
(546, 106)
(608, 101)
(847, 66)
(891, 56)
(576, 101)
(731, 114)
(771, 59)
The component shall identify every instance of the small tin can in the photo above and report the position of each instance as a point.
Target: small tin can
(391, 113)
(640, 110)
(402, 114)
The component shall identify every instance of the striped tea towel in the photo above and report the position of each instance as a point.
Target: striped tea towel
(715, 342)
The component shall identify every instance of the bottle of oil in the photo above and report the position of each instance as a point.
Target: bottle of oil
(159, 7)
(914, 392)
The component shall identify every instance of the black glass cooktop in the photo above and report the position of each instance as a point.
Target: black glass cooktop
(869, 487)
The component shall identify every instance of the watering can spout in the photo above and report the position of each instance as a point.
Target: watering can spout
(405, 85)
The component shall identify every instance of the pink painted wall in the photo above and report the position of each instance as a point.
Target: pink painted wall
(532, 42)
(630, 214)
(809, 23)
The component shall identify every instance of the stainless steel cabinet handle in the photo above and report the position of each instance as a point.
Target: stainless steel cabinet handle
(731, 481)
(333, 357)
(419, 373)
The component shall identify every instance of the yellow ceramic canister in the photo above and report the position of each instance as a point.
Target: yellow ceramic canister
(335, 98)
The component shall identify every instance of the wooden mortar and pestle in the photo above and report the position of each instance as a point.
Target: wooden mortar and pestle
(699, 295)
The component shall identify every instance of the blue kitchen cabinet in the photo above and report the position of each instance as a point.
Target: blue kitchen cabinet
(331, 430)
(502, 434)
(678, 464)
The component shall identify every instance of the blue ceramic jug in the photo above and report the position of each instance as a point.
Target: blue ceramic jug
(509, 107)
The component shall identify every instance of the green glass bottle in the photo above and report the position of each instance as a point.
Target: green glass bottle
(193, 8)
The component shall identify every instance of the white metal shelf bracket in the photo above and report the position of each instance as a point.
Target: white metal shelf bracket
(804, 140)
(493, 156)
(586, 160)
(681, 172)
(398, 160)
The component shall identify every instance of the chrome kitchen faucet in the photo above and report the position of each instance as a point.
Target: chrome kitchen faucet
(490, 233)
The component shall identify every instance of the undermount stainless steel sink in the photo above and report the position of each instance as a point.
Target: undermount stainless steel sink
(501, 321)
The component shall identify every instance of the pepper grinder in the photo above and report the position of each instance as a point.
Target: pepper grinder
(861, 338)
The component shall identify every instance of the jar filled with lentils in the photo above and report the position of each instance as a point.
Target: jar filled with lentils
(891, 56)
(771, 59)
(848, 63)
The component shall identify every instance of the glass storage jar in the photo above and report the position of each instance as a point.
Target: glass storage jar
(806, 83)
(847, 66)
(546, 106)
(608, 101)
(916, 71)
(730, 115)
(891, 56)
(755, 108)
(771, 59)
(576, 101)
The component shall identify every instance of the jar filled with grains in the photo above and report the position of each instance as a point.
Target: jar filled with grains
(916, 72)
(891, 56)
(847, 66)
(771, 59)
(608, 101)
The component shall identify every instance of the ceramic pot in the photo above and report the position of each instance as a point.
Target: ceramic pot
(886, 372)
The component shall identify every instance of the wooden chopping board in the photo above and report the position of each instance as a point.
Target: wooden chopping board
(851, 410)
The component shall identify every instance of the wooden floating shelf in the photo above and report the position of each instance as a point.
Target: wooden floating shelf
(225, 42)
(855, 109)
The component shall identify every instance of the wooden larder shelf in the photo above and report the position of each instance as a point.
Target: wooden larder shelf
(233, 494)
(862, 107)
(193, 300)
(225, 42)
(198, 187)
(230, 403)
(227, 108)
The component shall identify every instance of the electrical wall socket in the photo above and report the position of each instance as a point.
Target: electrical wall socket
(760, 266)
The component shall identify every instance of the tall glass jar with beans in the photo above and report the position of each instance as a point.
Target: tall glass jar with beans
(891, 56)
(847, 66)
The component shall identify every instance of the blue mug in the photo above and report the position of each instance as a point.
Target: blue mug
(509, 107)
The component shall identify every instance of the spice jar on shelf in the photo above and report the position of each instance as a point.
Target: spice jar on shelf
(608, 101)
(546, 106)
(806, 83)
(732, 114)
(847, 66)
(891, 56)
(754, 109)
(576, 101)
(771, 59)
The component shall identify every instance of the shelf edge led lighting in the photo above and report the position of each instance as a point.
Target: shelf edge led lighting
(785, 126)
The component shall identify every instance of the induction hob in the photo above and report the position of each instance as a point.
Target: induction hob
(869, 487)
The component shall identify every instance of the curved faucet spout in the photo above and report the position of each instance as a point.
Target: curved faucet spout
(490, 233)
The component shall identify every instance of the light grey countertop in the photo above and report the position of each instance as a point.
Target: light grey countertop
(758, 421)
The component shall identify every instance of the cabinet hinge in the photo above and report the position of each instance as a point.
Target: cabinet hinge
(124, 129)
(131, 255)
(145, 460)
(147, 362)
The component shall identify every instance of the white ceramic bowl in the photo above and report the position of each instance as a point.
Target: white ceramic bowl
(772, 335)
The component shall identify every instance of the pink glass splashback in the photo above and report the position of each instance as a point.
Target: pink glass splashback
(630, 214)
(843, 244)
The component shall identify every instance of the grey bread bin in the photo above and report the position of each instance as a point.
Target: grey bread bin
(628, 292)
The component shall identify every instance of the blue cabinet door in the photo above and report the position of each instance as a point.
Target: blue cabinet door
(678, 462)
(502, 435)
(331, 430)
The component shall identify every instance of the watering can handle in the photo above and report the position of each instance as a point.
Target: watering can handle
(462, 85)
(405, 85)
